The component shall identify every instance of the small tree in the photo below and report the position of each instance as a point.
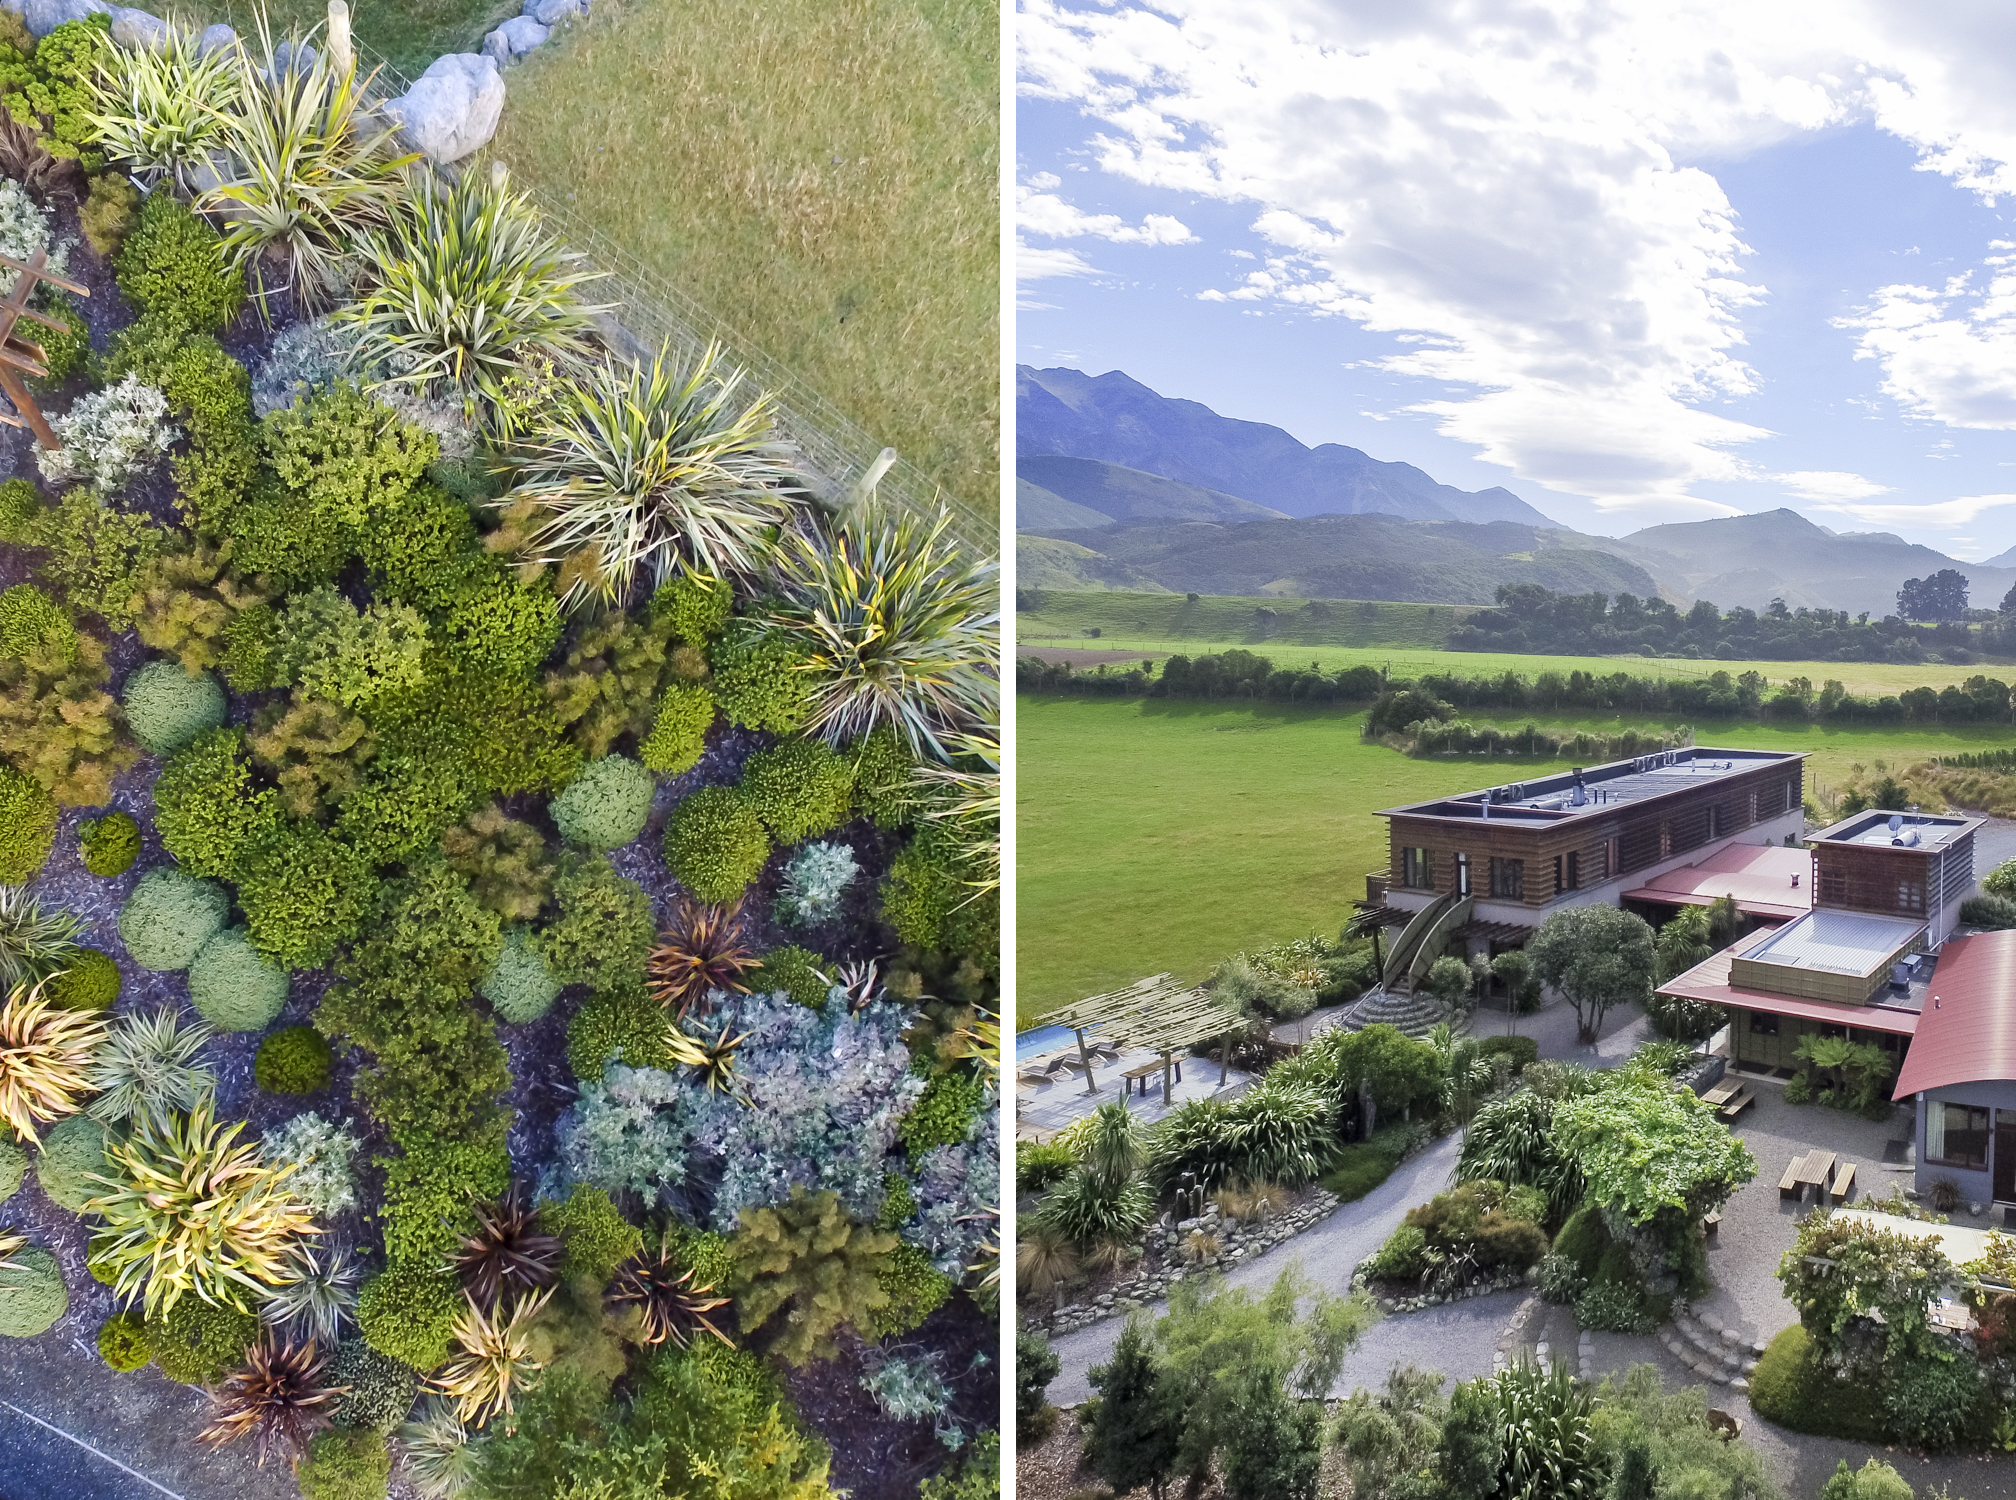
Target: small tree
(1134, 1429)
(1274, 1450)
(1448, 980)
(1864, 1294)
(809, 1261)
(1597, 956)
(1036, 1365)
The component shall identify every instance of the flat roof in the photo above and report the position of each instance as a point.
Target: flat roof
(1761, 877)
(1604, 788)
(1968, 1031)
(1829, 941)
(1708, 981)
(1879, 828)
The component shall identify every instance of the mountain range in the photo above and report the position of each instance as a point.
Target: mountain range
(1132, 490)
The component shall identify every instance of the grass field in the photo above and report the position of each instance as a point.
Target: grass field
(1158, 834)
(1231, 621)
(409, 34)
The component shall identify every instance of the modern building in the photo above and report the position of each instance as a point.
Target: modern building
(1960, 1074)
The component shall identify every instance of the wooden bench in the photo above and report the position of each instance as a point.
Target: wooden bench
(1736, 1103)
(1711, 1224)
(1789, 1186)
(1844, 1182)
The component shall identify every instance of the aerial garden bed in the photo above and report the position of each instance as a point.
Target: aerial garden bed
(498, 928)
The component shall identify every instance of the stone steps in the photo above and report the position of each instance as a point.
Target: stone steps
(1411, 1015)
(1723, 1355)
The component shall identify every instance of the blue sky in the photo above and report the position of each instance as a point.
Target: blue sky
(1636, 267)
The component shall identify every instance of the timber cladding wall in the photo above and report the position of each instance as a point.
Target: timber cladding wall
(1747, 973)
(1862, 877)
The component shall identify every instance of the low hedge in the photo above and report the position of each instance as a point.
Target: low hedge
(1523, 1050)
(1792, 1389)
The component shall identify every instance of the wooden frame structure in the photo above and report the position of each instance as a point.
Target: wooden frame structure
(1158, 1013)
(20, 356)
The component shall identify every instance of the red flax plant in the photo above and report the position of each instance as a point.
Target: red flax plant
(701, 952)
(277, 1399)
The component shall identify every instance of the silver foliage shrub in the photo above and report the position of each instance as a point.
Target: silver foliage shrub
(954, 1185)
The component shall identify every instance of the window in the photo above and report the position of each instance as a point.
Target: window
(1462, 874)
(1956, 1135)
(1753, 804)
(1508, 879)
(1833, 887)
(1763, 1023)
(1567, 872)
(1714, 822)
(1911, 896)
(1613, 857)
(1417, 870)
(1665, 840)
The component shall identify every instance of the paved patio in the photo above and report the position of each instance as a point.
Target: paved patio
(1048, 1107)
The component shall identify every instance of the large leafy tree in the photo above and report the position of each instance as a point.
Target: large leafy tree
(1598, 957)
(1943, 596)
(1645, 1149)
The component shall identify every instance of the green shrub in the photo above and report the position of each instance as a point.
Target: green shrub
(32, 1295)
(378, 1392)
(1041, 1165)
(252, 649)
(351, 1463)
(467, 479)
(694, 607)
(408, 1310)
(111, 209)
(1990, 913)
(294, 1060)
(19, 501)
(1792, 1388)
(1935, 1402)
(430, 1190)
(503, 625)
(519, 986)
(427, 553)
(1583, 1239)
(1402, 1256)
(304, 892)
(28, 818)
(66, 349)
(799, 789)
(678, 736)
(208, 810)
(943, 1113)
(329, 648)
(73, 1153)
(597, 1237)
(195, 1341)
(233, 986)
(91, 982)
(13, 1165)
(715, 844)
(797, 972)
(172, 269)
(406, 802)
(1875, 1480)
(928, 901)
(604, 928)
(1359, 1169)
(167, 708)
(884, 790)
(1521, 1049)
(1608, 1305)
(170, 916)
(757, 681)
(94, 553)
(109, 844)
(915, 1291)
(28, 616)
(625, 1023)
(122, 1342)
(606, 806)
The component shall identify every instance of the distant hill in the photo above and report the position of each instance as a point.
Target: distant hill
(1122, 494)
(1112, 417)
(1355, 557)
(2002, 560)
(1043, 562)
(1038, 509)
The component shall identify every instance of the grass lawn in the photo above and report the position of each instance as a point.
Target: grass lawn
(1231, 621)
(409, 34)
(1161, 834)
(819, 174)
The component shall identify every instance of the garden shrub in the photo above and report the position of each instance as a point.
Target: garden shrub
(798, 789)
(621, 1024)
(915, 1290)
(1935, 1401)
(108, 436)
(1794, 1389)
(407, 1312)
(1989, 913)
(816, 879)
(28, 616)
(207, 389)
(808, 1257)
(329, 648)
(251, 648)
(756, 678)
(28, 818)
(380, 1389)
(430, 1189)
(187, 599)
(315, 751)
(167, 708)
(61, 728)
(72, 1155)
(694, 607)
(604, 928)
(32, 1295)
(172, 269)
(899, 1203)
(678, 734)
(1401, 1257)
(715, 844)
(606, 806)
(406, 801)
(170, 916)
(597, 1237)
(609, 684)
(1583, 1239)
(1613, 1305)
(519, 986)
(122, 1342)
(13, 1164)
(67, 348)
(345, 456)
(502, 625)
(321, 1153)
(1875, 1480)
(89, 981)
(208, 810)
(293, 1060)
(1521, 1049)
(233, 986)
(109, 844)
(927, 899)
(1040, 1165)
(195, 1341)
(427, 553)
(19, 501)
(796, 972)
(884, 789)
(944, 1114)
(347, 1464)
(94, 553)
(504, 861)
(110, 211)
(304, 892)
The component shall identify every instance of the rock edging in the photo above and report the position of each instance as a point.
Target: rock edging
(1504, 1281)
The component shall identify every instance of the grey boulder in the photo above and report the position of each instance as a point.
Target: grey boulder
(137, 29)
(553, 12)
(453, 107)
(514, 39)
(44, 16)
(215, 38)
(290, 58)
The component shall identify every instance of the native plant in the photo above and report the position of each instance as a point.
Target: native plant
(151, 1064)
(1103, 1201)
(320, 1295)
(964, 797)
(160, 109)
(806, 1256)
(491, 1361)
(647, 471)
(191, 1210)
(670, 1300)
(464, 283)
(509, 1254)
(700, 953)
(277, 1398)
(436, 1455)
(61, 728)
(35, 941)
(503, 860)
(185, 598)
(44, 140)
(108, 436)
(45, 1059)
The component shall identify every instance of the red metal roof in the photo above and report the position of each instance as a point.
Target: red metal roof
(1709, 981)
(1969, 1036)
(1759, 876)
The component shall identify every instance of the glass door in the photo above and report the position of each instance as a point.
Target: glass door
(2004, 1160)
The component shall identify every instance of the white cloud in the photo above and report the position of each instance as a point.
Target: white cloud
(1050, 216)
(1516, 185)
(1957, 512)
(1829, 484)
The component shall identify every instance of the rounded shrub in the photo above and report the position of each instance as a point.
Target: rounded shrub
(109, 844)
(757, 679)
(194, 1342)
(797, 972)
(624, 1024)
(172, 268)
(122, 1342)
(407, 1312)
(27, 616)
(304, 892)
(13, 1164)
(27, 827)
(1793, 1388)
(233, 986)
(170, 916)
(1935, 1404)
(72, 1159)
(715, 844)
(380, 1389)
(350, 1463)
(798, 789)
(167, 708)
(693, 607)
(91, 982)
(678, 735)
(294, 1060)
(606, 805)
(32, 1296)
(19, 500)
(884, 775)
(519, 985)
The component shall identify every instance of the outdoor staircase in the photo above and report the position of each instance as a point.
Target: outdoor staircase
(1413, 1015)
(1723, 1355)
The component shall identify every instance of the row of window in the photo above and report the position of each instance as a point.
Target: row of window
(1507, 876)
(1956, 1135)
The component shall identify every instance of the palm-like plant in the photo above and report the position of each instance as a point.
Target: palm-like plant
(965, 795)
(277, 1398)
(159, 110)
(492, 1359)
(711, 1055)
(862, 980)
(308, 169)
(899, 628)
(320, 1295)
(508, 1254)
(34, 942)
(464, 284)
(190, 1210)
(436, 1455)
(701, 952)
(45, 1059)
(669, 1305)
(633, 470)
(149, 1063)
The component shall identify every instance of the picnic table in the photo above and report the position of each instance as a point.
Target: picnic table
(1808, 1171)
(1722, 1093)
(1146, 1071)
